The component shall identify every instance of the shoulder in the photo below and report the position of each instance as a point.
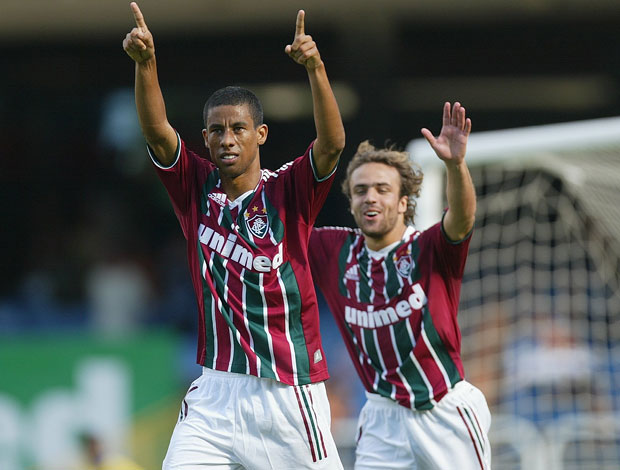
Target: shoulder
(334, 229)
(184, 158)
(435, 241)
(269, 176)
(300, 161)
(432, 232)
(327, 244)
(334, 235)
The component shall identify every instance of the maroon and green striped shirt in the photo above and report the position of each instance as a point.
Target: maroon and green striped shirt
(396, 309)
(248, 262)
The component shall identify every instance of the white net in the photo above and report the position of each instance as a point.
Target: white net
(540, 301)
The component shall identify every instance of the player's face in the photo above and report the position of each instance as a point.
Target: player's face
(376, 203)
(233, 141)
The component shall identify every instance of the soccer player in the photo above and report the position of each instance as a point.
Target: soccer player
(260, 402)
(394, 293)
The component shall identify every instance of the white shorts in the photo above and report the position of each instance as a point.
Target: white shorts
(452, 435)
(238, 421)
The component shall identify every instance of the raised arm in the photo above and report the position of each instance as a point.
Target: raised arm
(450, 147)
(150, 105)
(330, 136)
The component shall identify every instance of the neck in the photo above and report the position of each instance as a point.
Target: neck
(377, 243)
(235, 187)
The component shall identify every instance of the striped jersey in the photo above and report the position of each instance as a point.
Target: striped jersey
(248, 261)
(396, 309)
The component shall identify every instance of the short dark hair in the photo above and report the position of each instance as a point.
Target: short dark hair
(234, 96)
(410, 173)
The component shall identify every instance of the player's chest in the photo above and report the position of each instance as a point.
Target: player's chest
(255, 217)
(387, 275)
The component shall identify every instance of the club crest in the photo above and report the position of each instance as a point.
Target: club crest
(404, 265)
(258, 225)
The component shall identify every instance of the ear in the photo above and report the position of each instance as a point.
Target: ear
(262, 132)
(402, 204)
(205, 136)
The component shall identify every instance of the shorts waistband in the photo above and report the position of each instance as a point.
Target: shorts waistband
(380, 399)
(223, 374)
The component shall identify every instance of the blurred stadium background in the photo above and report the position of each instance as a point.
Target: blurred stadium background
(97, 317)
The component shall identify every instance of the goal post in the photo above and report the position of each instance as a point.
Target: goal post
(540, 300)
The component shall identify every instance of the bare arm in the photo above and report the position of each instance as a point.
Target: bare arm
(450, 147)
(150, 105)
(330, 135)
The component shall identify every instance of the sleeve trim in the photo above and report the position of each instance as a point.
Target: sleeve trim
(176, 157)
(316, 178)
(448, 239)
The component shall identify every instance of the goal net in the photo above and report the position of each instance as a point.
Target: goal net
(540, 301)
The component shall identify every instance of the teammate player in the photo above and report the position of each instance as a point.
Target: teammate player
(394, 292)
(260, 402)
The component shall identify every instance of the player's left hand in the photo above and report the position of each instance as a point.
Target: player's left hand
(451, 144)
(303, 50)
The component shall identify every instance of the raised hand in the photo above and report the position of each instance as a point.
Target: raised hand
(451, 144)
(138, 43)
(303, 50)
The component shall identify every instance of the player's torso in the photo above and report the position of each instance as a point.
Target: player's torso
(381, 298)
(252, 298)
(384, 309)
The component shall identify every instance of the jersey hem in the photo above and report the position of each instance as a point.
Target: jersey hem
(378, 398)
(317, 377)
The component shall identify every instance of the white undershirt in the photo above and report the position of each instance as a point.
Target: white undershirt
(386, 249)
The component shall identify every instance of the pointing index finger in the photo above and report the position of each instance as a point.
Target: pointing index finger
(299, 24)
(137, 14)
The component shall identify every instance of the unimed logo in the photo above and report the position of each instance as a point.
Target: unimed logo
(371, 318)
(230, 249)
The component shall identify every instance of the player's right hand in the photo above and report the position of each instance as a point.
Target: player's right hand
(138, 43)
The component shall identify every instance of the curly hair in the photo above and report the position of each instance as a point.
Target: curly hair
(410, 173)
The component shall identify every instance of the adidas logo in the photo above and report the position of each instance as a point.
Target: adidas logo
(318, 357)
(220, 198)
(352, 273)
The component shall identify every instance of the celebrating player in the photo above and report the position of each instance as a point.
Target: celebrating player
(261, 401)
(394, 292)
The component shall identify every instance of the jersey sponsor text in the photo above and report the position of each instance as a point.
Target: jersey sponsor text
(230, 249)
(372, 318)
